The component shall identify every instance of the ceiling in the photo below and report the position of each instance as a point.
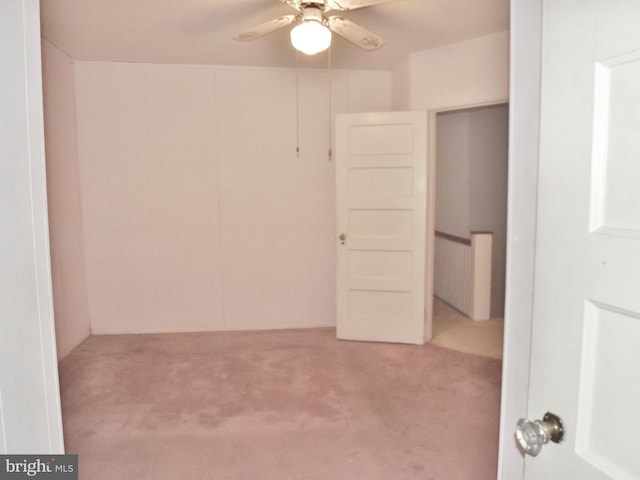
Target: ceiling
(201, 31)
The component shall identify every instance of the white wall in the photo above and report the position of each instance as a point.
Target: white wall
(452, 173)
(461, 74)
(488, 167)
(147, 150)
(197, 212)
(65, 219)
(401, 85)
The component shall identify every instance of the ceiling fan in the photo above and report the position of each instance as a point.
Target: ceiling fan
(312, 34)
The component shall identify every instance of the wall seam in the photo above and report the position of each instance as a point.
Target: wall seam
(216, 110)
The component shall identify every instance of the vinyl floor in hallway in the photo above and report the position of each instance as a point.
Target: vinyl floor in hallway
(452, 329)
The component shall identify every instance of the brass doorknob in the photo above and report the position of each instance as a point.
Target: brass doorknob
(342, 237)
(533, 435)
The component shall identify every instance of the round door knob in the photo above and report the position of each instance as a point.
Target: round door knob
(533, 435)
(342, 237)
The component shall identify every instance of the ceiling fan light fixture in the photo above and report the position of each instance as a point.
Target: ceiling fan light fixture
(310, 37)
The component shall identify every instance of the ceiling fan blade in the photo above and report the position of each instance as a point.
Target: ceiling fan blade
(355, 33)
(292, 3)
(344, 5)
(265, 28)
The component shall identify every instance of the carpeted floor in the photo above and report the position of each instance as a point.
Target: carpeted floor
(278, 405)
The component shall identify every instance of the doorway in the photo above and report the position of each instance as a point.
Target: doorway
(471, 158)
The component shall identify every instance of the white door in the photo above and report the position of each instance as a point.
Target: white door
(30, 420)
(585, 363)
(381, 201)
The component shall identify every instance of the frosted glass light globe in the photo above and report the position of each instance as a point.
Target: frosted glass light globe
(310, 37)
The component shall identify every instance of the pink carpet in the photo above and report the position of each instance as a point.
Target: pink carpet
(294, 404)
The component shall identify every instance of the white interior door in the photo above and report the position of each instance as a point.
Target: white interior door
(585, 364)
(30, 419)
(381, 200)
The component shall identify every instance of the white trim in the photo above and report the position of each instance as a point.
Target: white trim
(3, 433)
(525, 56)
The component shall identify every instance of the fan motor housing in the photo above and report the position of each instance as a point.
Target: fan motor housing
(312, 12)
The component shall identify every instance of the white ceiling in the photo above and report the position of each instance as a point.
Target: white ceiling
(201, 31)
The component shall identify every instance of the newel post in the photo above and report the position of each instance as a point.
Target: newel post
(480, 272)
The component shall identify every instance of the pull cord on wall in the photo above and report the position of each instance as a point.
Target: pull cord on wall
(330, 93)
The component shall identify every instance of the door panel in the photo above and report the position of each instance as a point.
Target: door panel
(616, 143)
(586, 328)
(376, 182)
(609, 368)
(381, 198)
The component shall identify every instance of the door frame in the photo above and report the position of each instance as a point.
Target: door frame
(431, 199)
(32, 398)
(525, 38)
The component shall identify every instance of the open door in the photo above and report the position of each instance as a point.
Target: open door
(381, 200)
(586, 320)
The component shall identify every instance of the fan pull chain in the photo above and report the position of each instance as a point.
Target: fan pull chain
(297, 107)
(330, 106)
